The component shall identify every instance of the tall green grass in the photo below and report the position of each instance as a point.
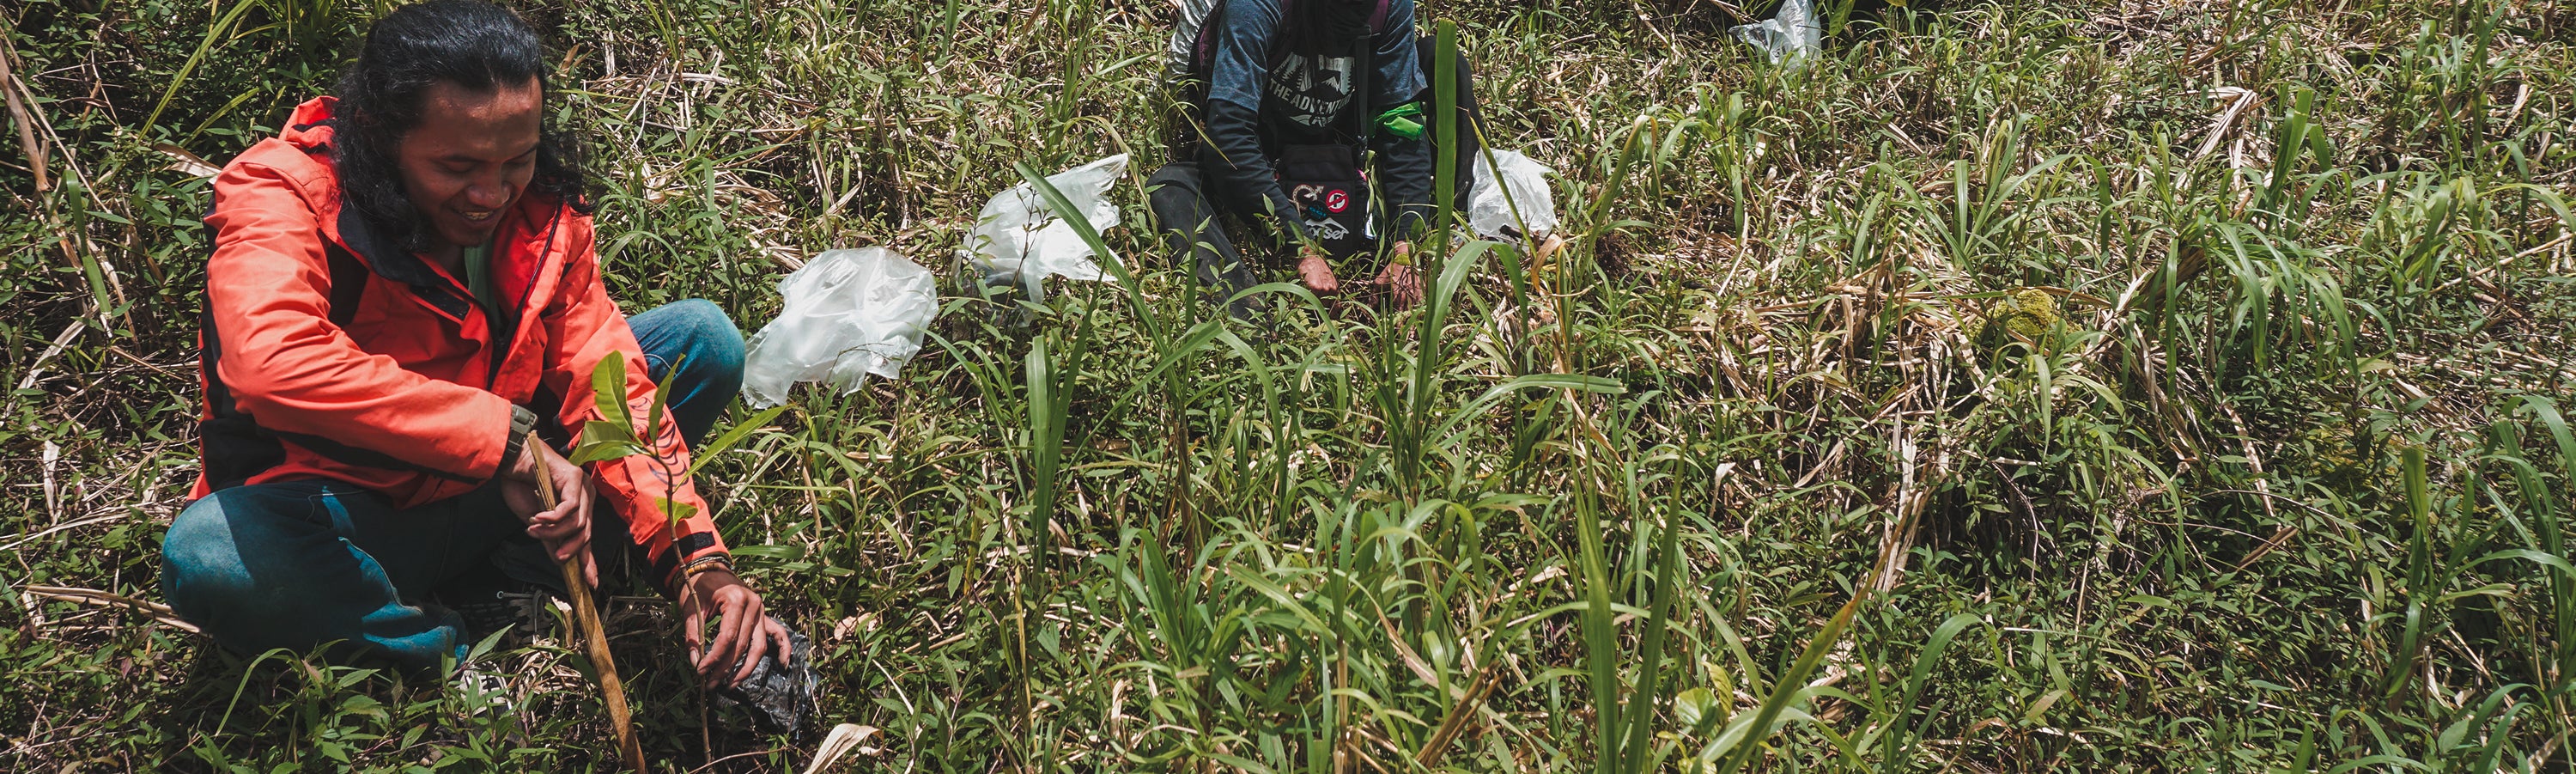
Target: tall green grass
(1769, 468)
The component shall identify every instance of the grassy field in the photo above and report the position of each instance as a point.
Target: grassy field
(2135, 386)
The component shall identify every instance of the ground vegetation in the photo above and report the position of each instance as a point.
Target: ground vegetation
(2135, 386)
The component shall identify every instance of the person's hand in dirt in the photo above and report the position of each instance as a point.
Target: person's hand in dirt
(1400, 278)
(565, 530)
(743, 631)
(1317, 271)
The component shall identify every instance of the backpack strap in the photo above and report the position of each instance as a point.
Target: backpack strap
(231, 446)
(1366, 79)
(1203, 48)
(1364, 82)
(348, 283)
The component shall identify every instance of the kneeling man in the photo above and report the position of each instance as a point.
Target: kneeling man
(402, 288)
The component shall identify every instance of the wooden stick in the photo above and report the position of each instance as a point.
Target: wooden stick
(25, 123)
(596, 636)
(159, 612)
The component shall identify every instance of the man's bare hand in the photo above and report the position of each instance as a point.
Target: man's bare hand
(1317, 272)
(565, 528)
(743, 631)
(1400, 278)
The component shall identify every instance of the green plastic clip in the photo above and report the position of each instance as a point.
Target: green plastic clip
(1404, 121)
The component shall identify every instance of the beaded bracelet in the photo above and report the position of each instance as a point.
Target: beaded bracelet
(704, 564)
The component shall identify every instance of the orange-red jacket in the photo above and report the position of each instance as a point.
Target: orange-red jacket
(329, 353)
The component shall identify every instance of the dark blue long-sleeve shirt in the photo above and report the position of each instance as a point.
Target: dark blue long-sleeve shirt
(1252, 111)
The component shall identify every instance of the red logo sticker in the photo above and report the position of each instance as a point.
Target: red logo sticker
(1337, 200)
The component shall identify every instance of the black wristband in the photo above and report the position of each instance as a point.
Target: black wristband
(522, 422)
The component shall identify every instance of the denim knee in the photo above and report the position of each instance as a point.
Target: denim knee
(200, 565)
(696, 336)
(1178, 178)
(262, 566)
(705, 342)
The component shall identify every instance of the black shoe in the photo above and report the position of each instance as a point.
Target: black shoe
(779, 697)
(523, 610)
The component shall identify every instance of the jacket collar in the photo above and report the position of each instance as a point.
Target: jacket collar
(309, 126)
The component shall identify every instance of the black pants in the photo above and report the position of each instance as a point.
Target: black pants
(1191, 223)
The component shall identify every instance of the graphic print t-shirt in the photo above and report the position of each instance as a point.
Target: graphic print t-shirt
(1308, 91)
(1311, 90)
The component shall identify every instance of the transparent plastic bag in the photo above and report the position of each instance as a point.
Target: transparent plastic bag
(1017, 241)
(1511, 180)
(849, 313)
(1792, 33)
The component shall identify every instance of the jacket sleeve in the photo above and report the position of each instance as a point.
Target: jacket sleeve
(1241, 178)
(583, 326)
(1404, 164)
(292, 370)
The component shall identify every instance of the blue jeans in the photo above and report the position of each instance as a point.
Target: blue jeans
(300, 564)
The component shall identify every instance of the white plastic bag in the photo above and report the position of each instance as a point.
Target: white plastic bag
(1794, 32)
(1511, 180)
(1018, 241)
(849, 313)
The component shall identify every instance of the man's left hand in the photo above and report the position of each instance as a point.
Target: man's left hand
(743, 630)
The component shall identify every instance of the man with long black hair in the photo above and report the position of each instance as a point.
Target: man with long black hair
(402, 288)
(1284, 103)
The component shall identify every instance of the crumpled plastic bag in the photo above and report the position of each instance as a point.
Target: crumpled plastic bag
(779, 697)
(849, 313)
(1018, 241)
(1793, 33)
(1524, 182)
